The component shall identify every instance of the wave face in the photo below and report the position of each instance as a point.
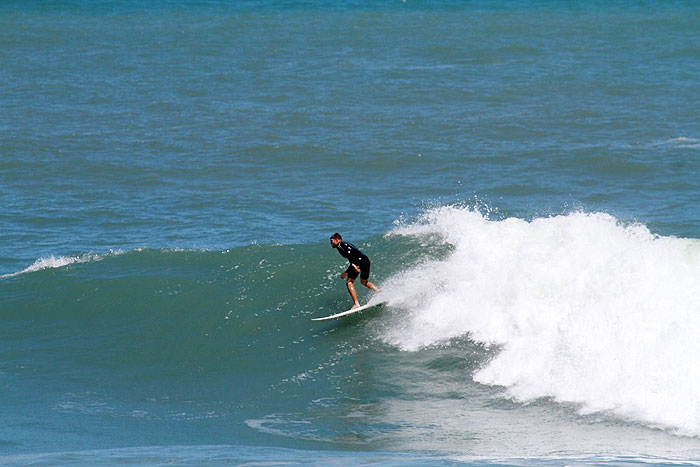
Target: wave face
(583, 309)
(162, 347)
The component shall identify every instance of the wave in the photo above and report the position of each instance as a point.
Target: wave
(582, 308)
(52, 262)
(681, 142)
(55, 262)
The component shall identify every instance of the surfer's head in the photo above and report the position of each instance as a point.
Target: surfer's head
(335, 239)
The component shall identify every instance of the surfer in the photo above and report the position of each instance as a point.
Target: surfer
(359, 264)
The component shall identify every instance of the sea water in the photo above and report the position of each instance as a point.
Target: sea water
(522, 174)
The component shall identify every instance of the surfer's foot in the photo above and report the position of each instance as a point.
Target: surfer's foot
(356, 305)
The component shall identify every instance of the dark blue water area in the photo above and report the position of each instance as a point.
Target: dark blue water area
(216, 124)
(221, 5)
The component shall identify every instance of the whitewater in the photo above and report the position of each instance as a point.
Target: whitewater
(582, 308)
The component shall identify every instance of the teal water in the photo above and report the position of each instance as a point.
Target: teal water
(523, 174)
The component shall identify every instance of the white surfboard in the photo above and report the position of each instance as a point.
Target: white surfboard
(349, 312)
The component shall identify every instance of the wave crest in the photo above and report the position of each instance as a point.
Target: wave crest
(53, 262)
(584, 309)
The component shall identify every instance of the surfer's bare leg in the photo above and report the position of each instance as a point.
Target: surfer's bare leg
(369, 285)
(353, 294)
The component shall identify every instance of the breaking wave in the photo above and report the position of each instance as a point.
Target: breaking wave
(582, 308)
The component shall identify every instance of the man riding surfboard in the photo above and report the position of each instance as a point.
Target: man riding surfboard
(359, 264)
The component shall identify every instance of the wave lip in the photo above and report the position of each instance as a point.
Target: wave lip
(53, 262)
(584, 310)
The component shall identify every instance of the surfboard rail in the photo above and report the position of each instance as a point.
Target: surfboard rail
(350, 311)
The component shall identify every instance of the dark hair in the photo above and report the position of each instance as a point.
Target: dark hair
(336, 236)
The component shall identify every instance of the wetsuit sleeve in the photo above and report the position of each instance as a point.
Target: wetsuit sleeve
(351, 252)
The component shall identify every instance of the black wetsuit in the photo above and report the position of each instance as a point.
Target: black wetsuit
(356, 257)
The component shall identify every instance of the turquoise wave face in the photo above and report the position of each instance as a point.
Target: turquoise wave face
(217, 345)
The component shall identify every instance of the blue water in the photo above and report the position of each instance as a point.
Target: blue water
(523, 175)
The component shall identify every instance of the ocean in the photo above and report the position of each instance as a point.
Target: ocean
(523, 174)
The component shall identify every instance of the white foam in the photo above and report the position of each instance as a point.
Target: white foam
(682, 139)
(52, 262)
(683, 142)
(583, 308)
